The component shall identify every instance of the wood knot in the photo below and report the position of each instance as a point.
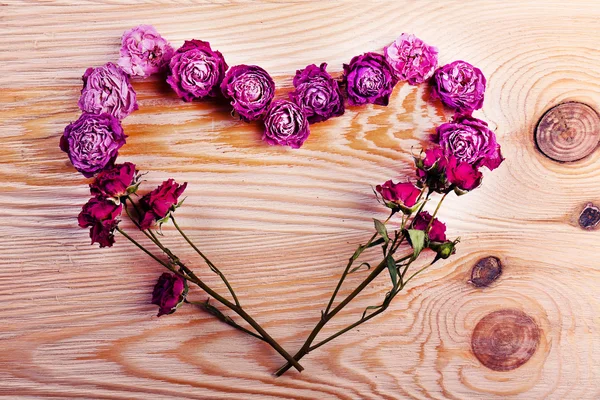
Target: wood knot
(486, 271)
(568, 132)
(589, 217)
(505, 339)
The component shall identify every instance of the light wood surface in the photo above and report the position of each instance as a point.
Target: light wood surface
(75, 320)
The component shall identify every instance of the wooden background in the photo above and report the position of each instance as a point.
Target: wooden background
(75, 320)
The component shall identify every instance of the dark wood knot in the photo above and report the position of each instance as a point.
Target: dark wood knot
(589, 217)
(505, 339)
(568, 132)
(486, 271)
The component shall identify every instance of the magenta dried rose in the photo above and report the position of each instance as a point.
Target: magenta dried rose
(369, 79)
(437, 232)
(169, 292)
(401, 196)
(107, 89)
(462, 174)
(92, 142)
(196, 71)
(317, 93)
(285, 124)
(114, 182)
(144, 52)
(460, 86)
(157, 204)
(101, 216)
(250, 89)
(411, 59)
(470, 140)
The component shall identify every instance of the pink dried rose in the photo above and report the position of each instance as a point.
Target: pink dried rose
(250, 89)
(144, 52)
(285, 125)
(317, 93)
(369, 79)
(437, 232)
(463, 175)
(196, 71)
(116, 182)
(107, 89)
(460, 86)
(470, 140)
(101, 216)
(92, 142)
(157, 204)
(411, 59)
(399, 196)
(169, 293)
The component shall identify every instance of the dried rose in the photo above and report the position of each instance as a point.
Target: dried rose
(369, 79)
(470, 140)
(144, 52)
(250, 89)
(411, 59)
(460, 86)
(285, 124)
(399, 196)
(114, 182)
(92, 142)
(156, 205)
(107, 89)
(169, 293)
(317, 93)
(196, 71)
(101, 216)
(462, 174)
(437, 232)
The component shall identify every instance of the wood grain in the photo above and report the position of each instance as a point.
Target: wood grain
(75, 320)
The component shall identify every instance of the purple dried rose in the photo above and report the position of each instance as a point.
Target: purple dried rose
(411, 59)
(92, 142)
(285, 124)
(437, 232)
(144, 52)
(460, 86)
(196, 71)
(399, 196)
(462, 174)
(169, 293)
(157, 204)
(369, 79)
(115, 182)
(101, 216)
(317, 93)
(470, 140)
(250, 89)
(107, 89)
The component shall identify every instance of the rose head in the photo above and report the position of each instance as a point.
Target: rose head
(101, 216)
(157, 204)
(92, 142)
(107, 89)
(114, 182)
(285, 124)
(369, 79)
(144, 52)
(317, 93)
(469, 140)
(250, 89)
(169, 292)
(196, 71)
(402, 195)
(411, 59)
(460, 86)
(437, 232)
(463, 175)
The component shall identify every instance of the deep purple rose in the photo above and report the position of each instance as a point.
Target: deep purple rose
(169, 292)
(144, 52)
(411, 59)
(369, 79)
(437, 232)
(285, 124)
(115, 181)
(250, 89)
(399, 195)
(92, 142)
(159, 202)
(463, 175)
(107, 89)
(469, 140)
(317, 93)
(101, 215)
(196, 71)
(460, 86)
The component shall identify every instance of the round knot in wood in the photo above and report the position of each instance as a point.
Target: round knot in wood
(486, 271)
